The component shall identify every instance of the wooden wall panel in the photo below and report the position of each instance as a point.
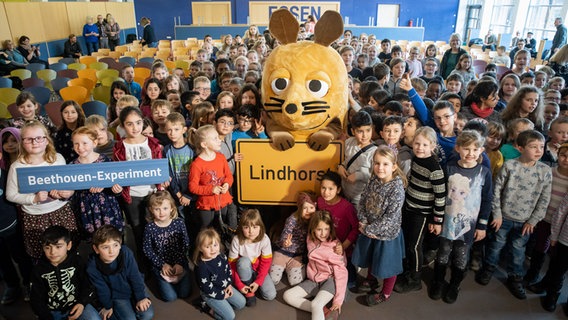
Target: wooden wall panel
(123, 13)
(5, 32)
(77, 13)
(25, 19)
(211, 13)
(56, 21)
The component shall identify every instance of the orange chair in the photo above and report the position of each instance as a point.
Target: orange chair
(142, 72)
(78, 94)
(90, 74)
(82, 82)
(87, 60)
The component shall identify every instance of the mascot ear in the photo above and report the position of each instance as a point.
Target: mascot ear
(328, 28)
(284, 27)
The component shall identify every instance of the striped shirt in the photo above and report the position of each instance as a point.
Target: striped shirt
(559, 188)
(426, 192)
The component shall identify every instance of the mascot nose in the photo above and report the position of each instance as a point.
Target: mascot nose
(291, 108)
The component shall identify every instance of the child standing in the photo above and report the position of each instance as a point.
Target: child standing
(380, 246)
(105, 141)
(327, 275)
(464, 68)
(214, 272)
(95, 206)
(423, 207)
(557, 135)
(210, 178)
(291, 248)
(521, 195)
(355, 170)
(515, 126)
(495, 136)
(250, 258)
(73, 118)
(525, 103)
(468, 206)
(414, 63)
(41, 209)
(344, 216)
(60, 286)
(160, 110)
(29, 109)
(250, 125)
(397, 66)
(116, 279)
(165, 245)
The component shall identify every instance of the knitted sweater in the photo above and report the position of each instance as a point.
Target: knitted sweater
(559, 223)
(426, 192)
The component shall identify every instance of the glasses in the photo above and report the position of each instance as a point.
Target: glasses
(203, 89)
(39, 139)
(226, 123)
(445, 117)
(245, 121)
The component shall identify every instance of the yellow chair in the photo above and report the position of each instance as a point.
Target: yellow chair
(90, 74)
(178, 44)
(4, 113)
(98, 66)
(182, 58)
(142, 72)
(121, 49)
(97, 55)
(101, 74)
(184, 64)
(140, 80)
(170, 65)
(77, 66)
(9, 95)
(21, 73)
(87, 60)
(115, 54)
(107, 81)
(150, 50)
(46, 75)
(102, 93)
(78, 94)
(104, 51)
(146, 54)
(81, 82)
(133, 54)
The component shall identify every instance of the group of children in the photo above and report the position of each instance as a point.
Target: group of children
(416, 184)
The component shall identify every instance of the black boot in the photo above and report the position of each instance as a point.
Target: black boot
(438, 281)
(401, 281)
(515, 285)
(454, 288)
(537, 261)
(414, 283)
(548, 302)
(485, 274)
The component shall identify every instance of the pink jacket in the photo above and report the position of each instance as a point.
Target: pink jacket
(324, 263)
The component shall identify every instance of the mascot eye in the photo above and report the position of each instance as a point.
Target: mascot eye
(279, 85)
(317, 87)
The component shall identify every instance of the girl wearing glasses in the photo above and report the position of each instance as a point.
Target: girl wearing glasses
(43, 208)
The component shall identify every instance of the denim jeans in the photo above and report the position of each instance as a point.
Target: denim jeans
(89, 313)
(224, 309)
(126, 310)
(512, 231)
(92, 47)
(244, 269)
(170, 292)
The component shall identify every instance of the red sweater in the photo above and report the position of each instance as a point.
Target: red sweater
(204, 176)
(345, 220)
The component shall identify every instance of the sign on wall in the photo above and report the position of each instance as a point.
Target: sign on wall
(260, 11)
(85, 176)
(268, 176)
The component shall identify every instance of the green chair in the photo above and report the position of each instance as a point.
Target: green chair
(21, 73)
(9, 95)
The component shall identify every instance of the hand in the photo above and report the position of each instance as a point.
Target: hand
(496, 223)
(76, 311)
(116, 188)
(245, 290)
(288, 241)
(166, 184)
(224, 188)
(351, 178)
(336, 307)
(177, 270)
(105, 314)
(95, 190)
(238, 157)
(253, 287)
(167, 270)
(362, 227)
(405, 83)
(527, 228)
(258, 127)
(434, 228)
(338, 249)
(184, 201)
(143, 304)
(216, 190)
(553, 243)
(54, 194)
(65, 194)
(342, 172)
(479, 235)
(40, 196)
(228, 292)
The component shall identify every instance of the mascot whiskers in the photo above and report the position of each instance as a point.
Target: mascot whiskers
(304, 84)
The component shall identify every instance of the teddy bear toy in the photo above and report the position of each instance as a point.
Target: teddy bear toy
(304, 84)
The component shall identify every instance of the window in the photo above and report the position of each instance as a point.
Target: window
(502, 16)
(540, 18)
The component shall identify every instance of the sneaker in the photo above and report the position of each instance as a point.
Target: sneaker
(436, 289)
(484, 276)
(409, 285)
(452, 294)
(330, 314)
(251, 299)
(10, 295)
(548, 302)
(515, 285)
(374, 299)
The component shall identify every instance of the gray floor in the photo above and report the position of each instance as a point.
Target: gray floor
(475, 302)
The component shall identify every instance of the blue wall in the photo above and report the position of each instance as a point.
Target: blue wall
(439, 16)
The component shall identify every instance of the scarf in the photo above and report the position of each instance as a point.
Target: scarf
(106, 269)
(479, 112)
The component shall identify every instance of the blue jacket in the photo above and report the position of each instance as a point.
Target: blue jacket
(88, 29)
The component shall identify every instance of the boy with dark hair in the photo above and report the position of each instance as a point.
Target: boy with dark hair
(356, 169)
(250, 126)
(393, 108)
(385, 50)
(60, 287)
(434, 89)
(113, 271)
(521, 195)
(381, 71)
(189, 99)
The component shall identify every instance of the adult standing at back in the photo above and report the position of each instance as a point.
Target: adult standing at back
(148, 37)
(103, 38)
(91, 34)
(559, 37)
(112, 30)
(451, 56)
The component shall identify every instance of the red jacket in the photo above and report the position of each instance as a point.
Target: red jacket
(120, 155)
